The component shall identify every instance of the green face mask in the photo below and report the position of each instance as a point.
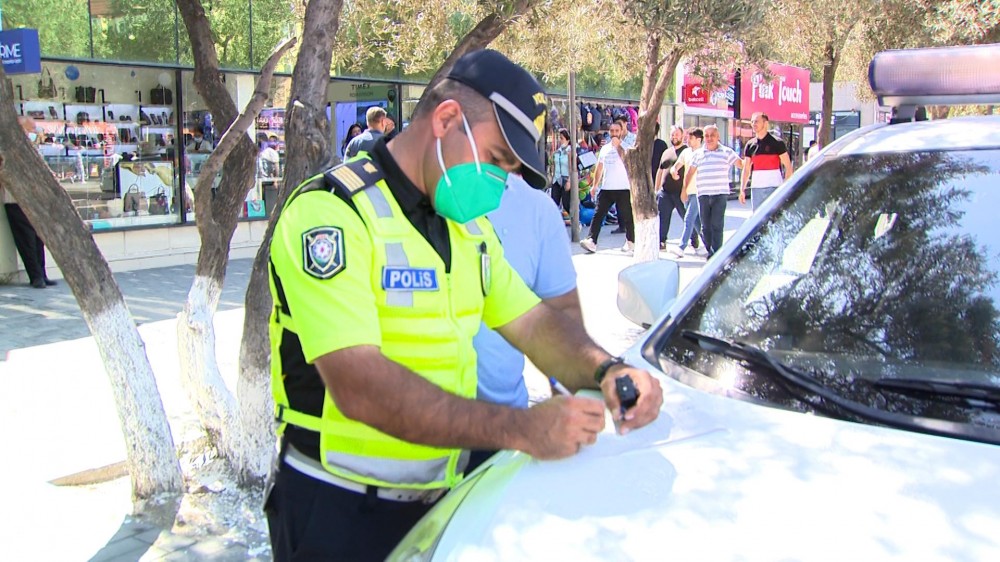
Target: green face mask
(468, 191)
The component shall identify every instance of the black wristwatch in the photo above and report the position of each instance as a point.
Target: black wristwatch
(602, 370)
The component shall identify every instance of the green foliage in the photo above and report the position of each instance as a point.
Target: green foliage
(63, 27)
(137, 33)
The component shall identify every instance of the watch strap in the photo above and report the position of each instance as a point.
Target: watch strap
(602, 369)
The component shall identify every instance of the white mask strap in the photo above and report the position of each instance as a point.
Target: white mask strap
(444, 170)
(472, 141)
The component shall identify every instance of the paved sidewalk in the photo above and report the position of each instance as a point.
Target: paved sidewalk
(53, 384)
(33, 317)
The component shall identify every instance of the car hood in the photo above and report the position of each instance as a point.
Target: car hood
(718, 479)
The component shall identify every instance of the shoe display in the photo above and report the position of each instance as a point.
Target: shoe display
(589, 245)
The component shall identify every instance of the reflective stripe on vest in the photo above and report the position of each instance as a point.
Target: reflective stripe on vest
(428, 330)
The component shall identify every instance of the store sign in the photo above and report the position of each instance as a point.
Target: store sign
(784, 98)
(20, 51)
(695, 95)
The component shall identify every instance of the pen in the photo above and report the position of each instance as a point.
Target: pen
(558, 386)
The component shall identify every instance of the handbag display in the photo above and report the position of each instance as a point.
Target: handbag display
(158, 204)
(161, 96)
(86, 94)
(46, 85)
(255, 209)
(135, 201)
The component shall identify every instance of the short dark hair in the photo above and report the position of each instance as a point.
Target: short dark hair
(475, 107)
(697, 133)
(564, 133)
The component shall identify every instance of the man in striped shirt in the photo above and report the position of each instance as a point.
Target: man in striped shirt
(710, 169)
(765, 156)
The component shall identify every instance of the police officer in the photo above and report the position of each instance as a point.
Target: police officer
(381, 270)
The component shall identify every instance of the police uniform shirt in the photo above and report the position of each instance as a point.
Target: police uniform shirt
(340, 311)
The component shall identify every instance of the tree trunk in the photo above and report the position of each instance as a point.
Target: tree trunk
(150, 455)
(216, 216)
(829, 75)
(307, 151)
(638, 162)
(488, 29)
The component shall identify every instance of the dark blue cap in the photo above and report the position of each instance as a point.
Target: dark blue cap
(518, 101)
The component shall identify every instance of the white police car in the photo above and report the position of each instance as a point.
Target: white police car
(831, 380)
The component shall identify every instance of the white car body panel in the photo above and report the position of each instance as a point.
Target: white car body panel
(718, 479)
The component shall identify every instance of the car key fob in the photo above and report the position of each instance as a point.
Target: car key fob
(628, 395)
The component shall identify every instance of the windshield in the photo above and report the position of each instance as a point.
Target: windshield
(880, 266)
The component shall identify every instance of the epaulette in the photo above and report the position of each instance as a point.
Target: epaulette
(353, 176)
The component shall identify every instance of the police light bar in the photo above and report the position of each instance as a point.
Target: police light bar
(937, 76)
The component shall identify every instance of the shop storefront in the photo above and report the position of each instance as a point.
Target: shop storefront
(784, 98)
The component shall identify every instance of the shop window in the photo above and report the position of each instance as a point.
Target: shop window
(109, 148)
(349, 102)
(135, 31)
(63, 29)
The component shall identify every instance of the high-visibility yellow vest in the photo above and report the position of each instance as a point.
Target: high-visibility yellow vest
(429, 331)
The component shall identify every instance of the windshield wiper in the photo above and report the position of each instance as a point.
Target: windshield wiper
(939, 387)
(801, 381)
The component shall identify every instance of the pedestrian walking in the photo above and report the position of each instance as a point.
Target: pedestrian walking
(710, 168)
(382, 270)
(689, 195)
(29, 245)
(613, 180)
(764, 157)
(669, 188)
(560, 175)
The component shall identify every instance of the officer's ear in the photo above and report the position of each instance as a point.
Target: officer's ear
(446, 115)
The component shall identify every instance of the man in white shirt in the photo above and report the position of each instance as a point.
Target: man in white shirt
(612, 177)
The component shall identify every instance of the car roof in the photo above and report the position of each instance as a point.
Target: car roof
(957, 133)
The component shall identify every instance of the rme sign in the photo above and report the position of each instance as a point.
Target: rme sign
(20, 51)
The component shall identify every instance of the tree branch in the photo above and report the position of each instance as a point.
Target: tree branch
(245, 119)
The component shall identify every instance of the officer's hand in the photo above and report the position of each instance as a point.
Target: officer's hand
(648, 405)
(560, 427)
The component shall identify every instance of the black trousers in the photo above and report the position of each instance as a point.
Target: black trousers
(29, 245)
(560, 194)
(312, 520)
(666, 203)
(622, 199)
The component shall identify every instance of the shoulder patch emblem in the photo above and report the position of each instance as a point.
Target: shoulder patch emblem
(323, 252)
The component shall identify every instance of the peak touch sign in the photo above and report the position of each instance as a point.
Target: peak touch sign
(785, 98)
(20, 51)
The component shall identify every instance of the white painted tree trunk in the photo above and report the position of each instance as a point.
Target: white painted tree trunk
(647, 240)
(150, 455)
(257, 418)
(200, 376)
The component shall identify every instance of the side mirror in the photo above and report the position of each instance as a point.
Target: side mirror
(646, 290)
